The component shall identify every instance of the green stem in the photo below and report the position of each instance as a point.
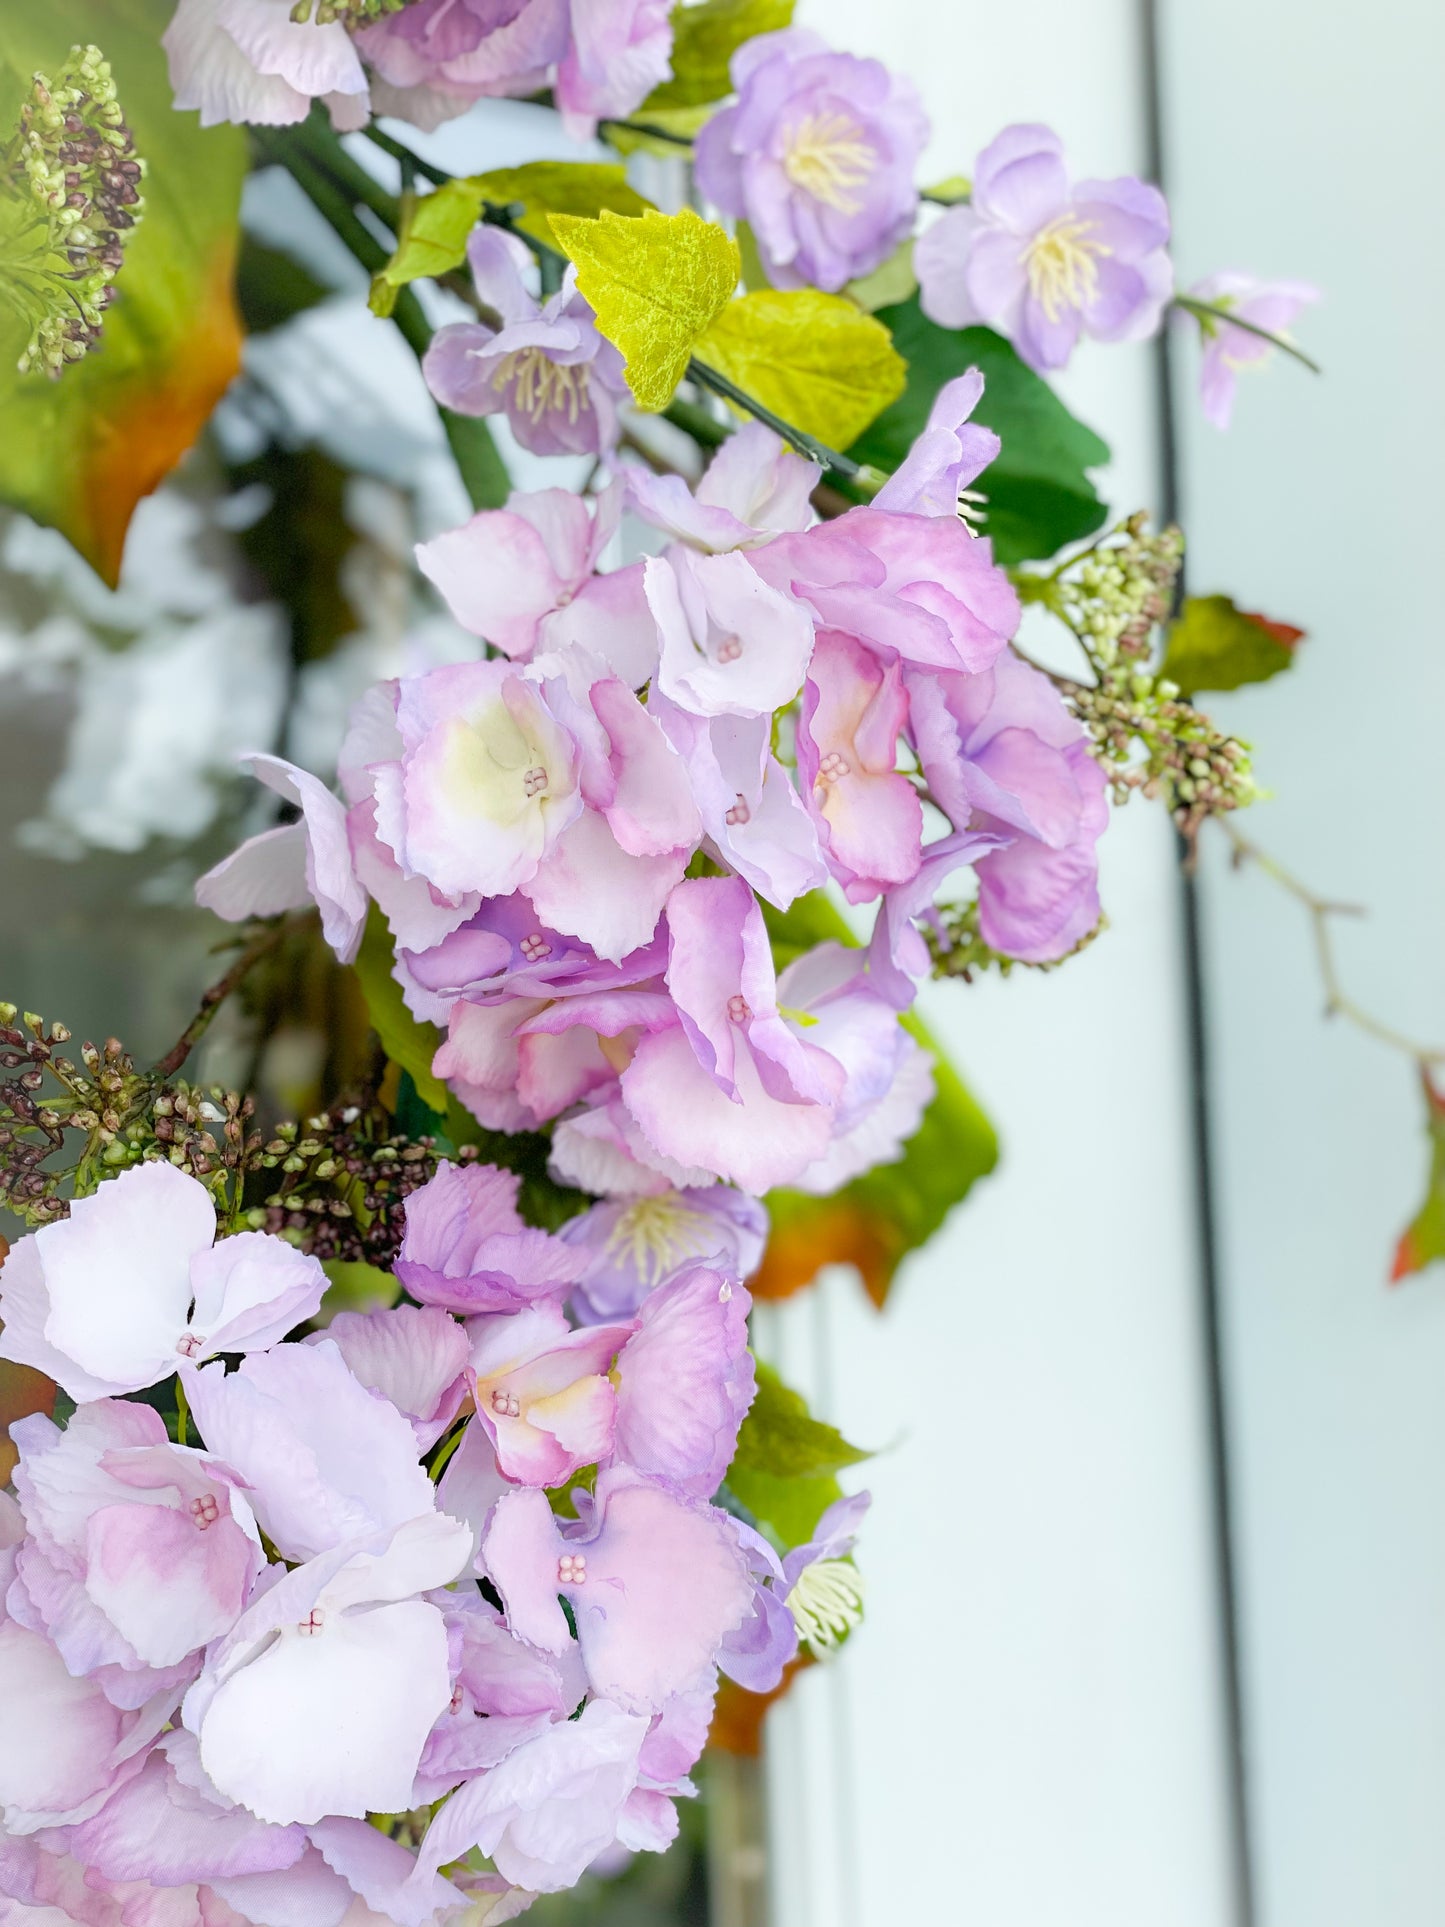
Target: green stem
(183, 1414)
(444, 1452)
(483, 472)
(650, 130)
(698, 371)
(1208, 311)
(808, 445)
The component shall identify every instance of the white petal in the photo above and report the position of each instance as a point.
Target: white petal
(326, 1461)
(24, 1308)
(251, 1290)
(118, 1273)
(332, 1722)
(265, 876)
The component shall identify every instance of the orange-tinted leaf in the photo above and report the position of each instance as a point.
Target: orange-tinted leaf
(809, 1233)
(1423, 1240)
(22, 1391)
(737, 1721)
(78, 453)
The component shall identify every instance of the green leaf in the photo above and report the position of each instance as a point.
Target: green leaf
(874, 1222)
(1039, 493)
(704, 40)
(354, 1286)
(1423, 1240)
(785, 1467)
(1214, 645)
(685, 122)
(892, 282)
(436, 226)
(815, 359)
(409, 1043)
(655, 284)
(271, 287)
(80, 452)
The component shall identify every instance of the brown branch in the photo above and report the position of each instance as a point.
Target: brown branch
(263, 942)
(1338, 1002)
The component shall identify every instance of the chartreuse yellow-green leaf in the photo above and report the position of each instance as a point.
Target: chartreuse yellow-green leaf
(79, 452)
(656, 283)
(433, 240)
(812, 358)
(704, 40)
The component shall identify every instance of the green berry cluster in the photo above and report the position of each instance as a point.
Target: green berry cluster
(1114, 597)
(958, 950)
(351, 13)
(71, 200)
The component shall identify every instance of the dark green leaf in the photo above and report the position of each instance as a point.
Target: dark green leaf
(409, 1043)
(874, 1222)
(271, 287)
(1039, 493)
(1214, 645)
(786, 1465)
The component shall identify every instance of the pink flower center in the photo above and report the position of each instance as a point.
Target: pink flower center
(739, 813)
(729, 649)
(739, 1009)
(535, 947)
(832, 768)
(205, 1512)
(506, 1405)
(189, 1344)
(312, 1625)
(534, 780)
(572, 1569)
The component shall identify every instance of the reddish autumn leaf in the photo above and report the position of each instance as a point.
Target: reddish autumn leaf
(1423, 1240)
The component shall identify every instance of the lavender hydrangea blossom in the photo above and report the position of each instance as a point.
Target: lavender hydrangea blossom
(1044, 261)
(818, 155)
(1229, 351)
(545, 367)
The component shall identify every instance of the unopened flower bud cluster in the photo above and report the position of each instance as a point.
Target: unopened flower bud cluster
(1114, 598)
(74, 182)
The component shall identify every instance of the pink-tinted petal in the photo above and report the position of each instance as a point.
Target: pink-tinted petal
(158, 1829)
(758, 1142)
(522, 1549)
(685, 1380)
(589, 887)
(416, 1358)
(550, 1808)
(666, 1582)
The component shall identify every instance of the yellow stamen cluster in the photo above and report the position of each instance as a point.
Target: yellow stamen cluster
(829, 157)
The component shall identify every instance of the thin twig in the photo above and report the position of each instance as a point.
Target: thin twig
(264, 941)
(1210, 312)
(1338, 1002)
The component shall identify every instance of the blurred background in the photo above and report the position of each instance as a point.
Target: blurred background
(1156, 1568)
